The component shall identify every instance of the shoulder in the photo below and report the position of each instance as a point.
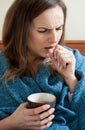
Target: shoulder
(3, 63)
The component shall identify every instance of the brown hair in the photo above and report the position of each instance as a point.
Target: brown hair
(16, 28)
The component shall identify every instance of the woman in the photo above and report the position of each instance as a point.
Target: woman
(34, 59)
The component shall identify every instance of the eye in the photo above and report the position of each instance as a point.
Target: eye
(42, 30)
(59, 28)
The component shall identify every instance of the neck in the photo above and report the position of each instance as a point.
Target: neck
(34, 65)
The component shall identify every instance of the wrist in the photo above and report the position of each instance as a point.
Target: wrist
(6, 124)
(71, 82)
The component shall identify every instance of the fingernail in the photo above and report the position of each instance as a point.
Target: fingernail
(53, 116)
(47, 106)
(53, 109)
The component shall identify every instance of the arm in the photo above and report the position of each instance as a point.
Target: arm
(6, 124)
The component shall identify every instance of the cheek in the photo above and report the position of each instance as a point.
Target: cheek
(36, 42)
(37, 38)
(59, 35)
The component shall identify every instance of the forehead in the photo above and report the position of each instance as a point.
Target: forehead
(50, 18)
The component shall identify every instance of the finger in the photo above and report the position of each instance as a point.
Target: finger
(63, 58)
(23, 105)
(39, 117)
(40, 127)
(46, 113)
(46, 120)
(41, 122)
(66, 60)
(38, 110)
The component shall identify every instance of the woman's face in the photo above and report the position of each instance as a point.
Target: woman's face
(45, 32)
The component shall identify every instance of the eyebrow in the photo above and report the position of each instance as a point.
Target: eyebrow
(49, 28)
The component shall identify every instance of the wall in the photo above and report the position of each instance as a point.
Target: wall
(75, 25)
(4, 5)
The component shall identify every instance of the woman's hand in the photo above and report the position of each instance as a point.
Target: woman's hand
(31, 119)
(64, 63)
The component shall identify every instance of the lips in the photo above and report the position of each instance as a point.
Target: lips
(49, 49)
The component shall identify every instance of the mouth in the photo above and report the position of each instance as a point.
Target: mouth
(50, 49)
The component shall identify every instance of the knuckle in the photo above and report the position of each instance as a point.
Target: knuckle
(72, 54)
(42, 127)
(49, 118)
(41, 123)
(50, 111)
(40, 117)
(34, 111)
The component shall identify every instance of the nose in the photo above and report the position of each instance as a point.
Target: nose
(52, 37)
